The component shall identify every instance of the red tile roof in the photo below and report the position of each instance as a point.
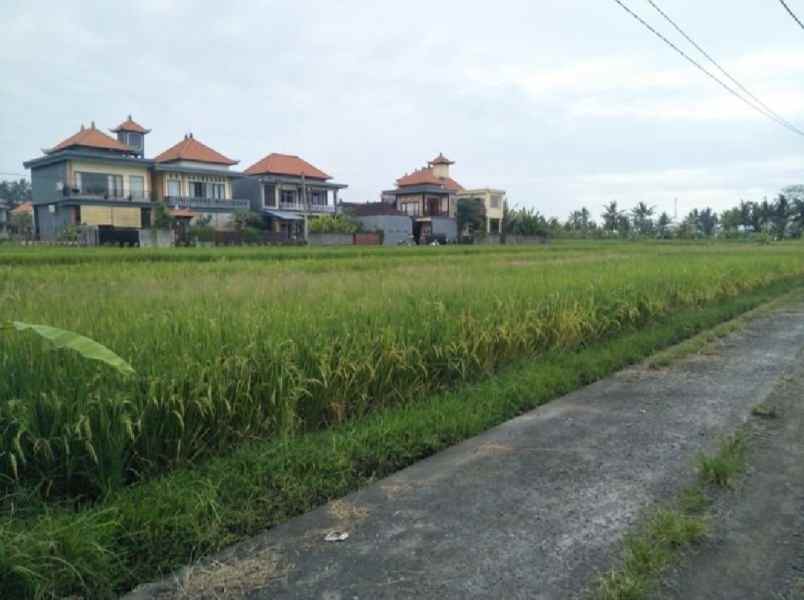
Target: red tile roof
(285, 164)
(441, 160)
(130, 125)
(26, 208)
(427, 177)
(191, 149)
(91, 138)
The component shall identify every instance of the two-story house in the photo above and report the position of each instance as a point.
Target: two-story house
(90, 178)
(429, 196)
(195, 181)
(493, 203)
(288, 191)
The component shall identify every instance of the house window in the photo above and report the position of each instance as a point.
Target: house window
(218, 190)
(136, 186)
(116, 186)
(173, 188)
(198, 189)
(495, 202)
(95, 184)
(287, 196)
(318, 198)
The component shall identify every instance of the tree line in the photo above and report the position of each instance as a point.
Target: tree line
(780, 218)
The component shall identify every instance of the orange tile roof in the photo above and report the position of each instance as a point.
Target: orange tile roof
(285, 164)
(191, 149)
(130, 125)
(441, 160)
(26, 208)
(426, 176)
(91, 138)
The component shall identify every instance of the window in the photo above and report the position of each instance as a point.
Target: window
(116, 186)
(173, 188)
(318, 198)
(136, 186)
(495, 202)
(198, 189)
(218, 190)
(91, 183)
(287, 196)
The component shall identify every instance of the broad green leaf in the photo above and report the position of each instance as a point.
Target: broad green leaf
(86, 347)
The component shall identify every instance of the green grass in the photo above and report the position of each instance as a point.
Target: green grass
(669, 531)
(141, 532)
(721, 468)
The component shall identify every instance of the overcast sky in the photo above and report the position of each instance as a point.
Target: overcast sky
(562, 103)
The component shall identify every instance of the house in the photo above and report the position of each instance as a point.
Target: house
(196, 183)
(5, 208)
(288, 191)
(493, 203)
(396, 226)
(429, 196)
(91, 178)
(97, 180)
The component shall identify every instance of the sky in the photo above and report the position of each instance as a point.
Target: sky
(563, 103)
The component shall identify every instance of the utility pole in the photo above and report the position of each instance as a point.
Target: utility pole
(306, 207)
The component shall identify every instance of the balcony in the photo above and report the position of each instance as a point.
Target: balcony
(301, 207)
(122, 194)
(206, 203)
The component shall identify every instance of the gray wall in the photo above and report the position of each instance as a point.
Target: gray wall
(395, 228)
(157, 238)
(44, 180)
(329, 239)
(49, 225)
(445, 226)
(248, 188)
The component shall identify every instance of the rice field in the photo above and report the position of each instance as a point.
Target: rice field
(228, 351)
(271, 380)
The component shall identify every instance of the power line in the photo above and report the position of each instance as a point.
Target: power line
(767, 109)
(792, 14)
(700, 67)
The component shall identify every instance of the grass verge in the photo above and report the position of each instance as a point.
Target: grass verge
(665, 534)
(148, 530)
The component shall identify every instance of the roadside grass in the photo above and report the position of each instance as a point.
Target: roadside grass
(765, 411)
(703, 342)
(671, 530)
(147, 530)
(721, 468)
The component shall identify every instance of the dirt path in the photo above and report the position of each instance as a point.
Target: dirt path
(531, 509)
(757, 546)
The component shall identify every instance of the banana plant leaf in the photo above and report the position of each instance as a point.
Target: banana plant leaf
(61, 338)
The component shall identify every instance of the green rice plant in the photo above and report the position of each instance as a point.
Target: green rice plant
(236, 345)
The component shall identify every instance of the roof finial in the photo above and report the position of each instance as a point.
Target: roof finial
(82, 127)
(129, 117)
(191, 135)
(93, 124)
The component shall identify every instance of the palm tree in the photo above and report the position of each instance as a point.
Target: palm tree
(611, 216)
(663, 226)
(642, 215)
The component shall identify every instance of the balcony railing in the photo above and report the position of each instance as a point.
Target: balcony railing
(202, 203)
(123, 194)
(301, 207)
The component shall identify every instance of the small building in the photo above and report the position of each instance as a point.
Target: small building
(429, 195)
(5, 208)
(196, 183)
(396, 226)
(287, 190)
(493, 203)
(91, 178)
